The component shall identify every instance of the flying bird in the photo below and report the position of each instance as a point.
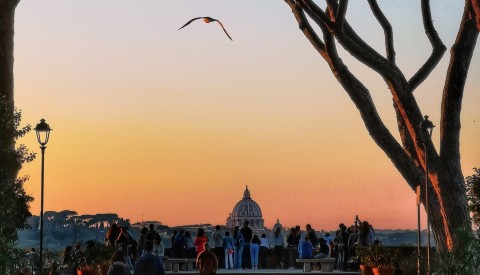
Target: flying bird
(207, 19)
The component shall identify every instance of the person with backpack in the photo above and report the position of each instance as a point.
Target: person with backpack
(149, 264)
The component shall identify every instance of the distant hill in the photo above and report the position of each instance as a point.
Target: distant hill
(65, 227)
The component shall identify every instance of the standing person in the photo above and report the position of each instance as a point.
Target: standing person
(132, 247)
(247, 234)
(200, 240)
(179, 245)
(172, 241)
(154, 236)
(254, 251)
(158, 248)
(151, 232)
(264, 250)
(305, 249)
(372, 234)
(207, 262)
(124, 241)
(278, 246)
(149, 264)
(190, 246)
(118, 266)
(142, 240)
(342, 241)
(293, 240)
(218, 246)
(112, 234)
(237, 248)
(228, 250)
(312, 235)
(364, 234)
(299, 234)
(352, 240)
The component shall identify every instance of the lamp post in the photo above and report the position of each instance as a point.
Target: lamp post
(43, 133)
(418, 230)
(426, 129)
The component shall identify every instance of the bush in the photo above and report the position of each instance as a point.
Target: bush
(463, 259)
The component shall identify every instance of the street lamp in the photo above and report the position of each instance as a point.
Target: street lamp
(418, 230)
(426, 129)
(43, 133)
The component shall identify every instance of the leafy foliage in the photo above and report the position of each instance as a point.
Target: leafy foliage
(14, 202)
(10, 255)
(463, 259)
(473, 195)
(91, 254)
(378, 256)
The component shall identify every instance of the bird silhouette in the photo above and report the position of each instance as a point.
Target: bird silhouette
(207, 19)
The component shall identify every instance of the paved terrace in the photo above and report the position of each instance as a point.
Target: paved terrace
(269, 271)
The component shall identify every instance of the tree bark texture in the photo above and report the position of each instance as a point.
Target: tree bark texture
(446, 187)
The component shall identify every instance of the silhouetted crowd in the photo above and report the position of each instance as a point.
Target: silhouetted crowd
(240, 249)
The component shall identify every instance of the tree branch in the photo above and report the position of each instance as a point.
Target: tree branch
(387, 29)
(408, 113)
(461, 56)
(340, 15)
(476, 10)
(305, 26)
(360, 96)
(437, 45)
(363, 52)
(318, 13)
(373, 123)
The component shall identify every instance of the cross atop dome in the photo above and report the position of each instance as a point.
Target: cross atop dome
(246, 194)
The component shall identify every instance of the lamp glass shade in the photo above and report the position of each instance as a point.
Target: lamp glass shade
(43, 132)
(426, 126)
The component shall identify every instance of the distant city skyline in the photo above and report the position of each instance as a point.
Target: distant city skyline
(174, 124)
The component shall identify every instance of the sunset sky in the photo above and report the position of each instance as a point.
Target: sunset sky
(173, 124)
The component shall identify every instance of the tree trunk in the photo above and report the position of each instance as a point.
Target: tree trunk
(8, 166)
(447, 205)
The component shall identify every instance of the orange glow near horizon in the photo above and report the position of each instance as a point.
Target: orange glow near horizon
(170, 126)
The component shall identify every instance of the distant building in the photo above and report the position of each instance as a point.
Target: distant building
(278, 224)
(246, 210)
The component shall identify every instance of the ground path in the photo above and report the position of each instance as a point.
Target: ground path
(268, 272)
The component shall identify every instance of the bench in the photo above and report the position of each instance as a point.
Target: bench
(191, 264)
(326, 264)
(174, 264)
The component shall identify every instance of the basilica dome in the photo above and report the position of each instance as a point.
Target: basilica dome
(246, 210)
